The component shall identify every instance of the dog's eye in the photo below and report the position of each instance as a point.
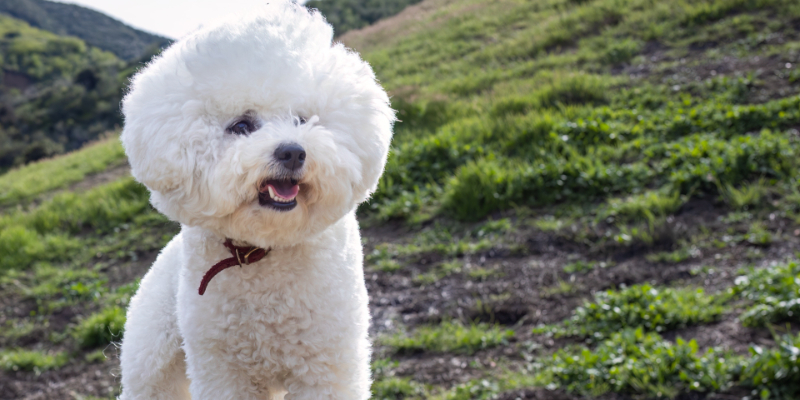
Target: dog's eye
(300, 120)
(243, 127)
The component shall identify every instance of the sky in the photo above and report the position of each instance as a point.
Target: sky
(169, 18)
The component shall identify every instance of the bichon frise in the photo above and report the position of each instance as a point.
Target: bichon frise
(260, 137)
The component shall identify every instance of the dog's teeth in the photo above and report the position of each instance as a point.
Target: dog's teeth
(278, 198)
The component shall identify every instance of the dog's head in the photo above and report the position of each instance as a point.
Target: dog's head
(261, 130)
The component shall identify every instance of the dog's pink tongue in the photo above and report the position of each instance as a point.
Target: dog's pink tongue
(284, 189)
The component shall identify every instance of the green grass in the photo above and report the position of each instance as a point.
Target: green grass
(646, 207)
(101, 328)
(49, 232)
(582, 266)
(774, 293)
(25, 183)
(491, 127)
(439, 271)
(29, 360)
(774, 373)
(449, 337)
(638, 363)
(747, 196)
(757, 234)
(394, 388)
(673, 257)
(654, 309)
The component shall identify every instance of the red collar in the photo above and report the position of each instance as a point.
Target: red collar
(241, 256)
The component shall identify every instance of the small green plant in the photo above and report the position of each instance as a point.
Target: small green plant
(560, 288)
(641, 364)
(654, 309)
(580, 266)
(774, 292)
(101, 328)
(645, 207)
(481, 274)
(774, 373)
(394, 388)
(450, 336)
(748, 195)
(29, 360)
(440, 271)
(673, 257)
(758, 234)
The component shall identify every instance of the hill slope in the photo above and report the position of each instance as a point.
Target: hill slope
(94, 28)
(346, 15)
(585, 199)
(56, 92)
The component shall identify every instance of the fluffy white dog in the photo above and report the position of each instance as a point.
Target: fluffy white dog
(260, 137)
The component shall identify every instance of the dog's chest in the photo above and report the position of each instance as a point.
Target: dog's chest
(273, 315)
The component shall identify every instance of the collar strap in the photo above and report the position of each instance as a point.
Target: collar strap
(241, 256)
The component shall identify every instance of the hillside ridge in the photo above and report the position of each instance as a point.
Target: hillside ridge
(93, 27)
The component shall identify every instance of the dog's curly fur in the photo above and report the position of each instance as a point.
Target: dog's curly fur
(294, 323)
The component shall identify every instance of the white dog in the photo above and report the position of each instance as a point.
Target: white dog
(260, 134)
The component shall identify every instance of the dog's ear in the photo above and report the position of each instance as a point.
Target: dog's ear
(155, 161)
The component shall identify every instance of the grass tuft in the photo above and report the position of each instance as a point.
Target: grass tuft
(101, 328)
(29, 360)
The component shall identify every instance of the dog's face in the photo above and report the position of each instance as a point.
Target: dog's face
(259, 130)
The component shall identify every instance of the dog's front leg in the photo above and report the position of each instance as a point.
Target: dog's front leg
(213, 378)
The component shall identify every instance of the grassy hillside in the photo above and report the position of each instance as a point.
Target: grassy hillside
(346, 15)
(585, 199)
(94, 28)
(56, 92)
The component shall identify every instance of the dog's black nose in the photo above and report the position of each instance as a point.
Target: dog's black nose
(291, 156)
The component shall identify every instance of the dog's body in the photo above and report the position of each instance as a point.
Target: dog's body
(295, 321)
(263, 133)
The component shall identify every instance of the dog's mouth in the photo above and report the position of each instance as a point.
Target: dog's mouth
(279, 194)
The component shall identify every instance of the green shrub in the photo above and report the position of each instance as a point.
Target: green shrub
(101, 328)
(449, 336)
